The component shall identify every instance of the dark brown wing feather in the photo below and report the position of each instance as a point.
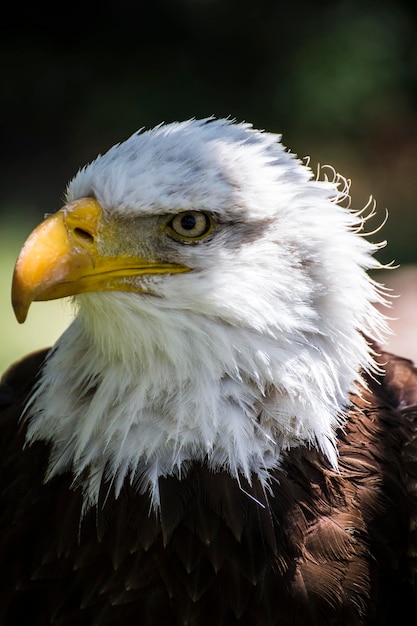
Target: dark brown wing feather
(323, 548)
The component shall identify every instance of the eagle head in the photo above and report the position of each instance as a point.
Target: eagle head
(223, 305)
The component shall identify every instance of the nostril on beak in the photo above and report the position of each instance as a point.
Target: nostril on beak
(83, 235)
(82, 220)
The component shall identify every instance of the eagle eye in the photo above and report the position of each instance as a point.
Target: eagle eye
(190, 225)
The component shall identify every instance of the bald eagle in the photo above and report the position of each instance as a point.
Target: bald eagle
(217, 438)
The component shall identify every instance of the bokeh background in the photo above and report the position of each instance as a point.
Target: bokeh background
(338, 79)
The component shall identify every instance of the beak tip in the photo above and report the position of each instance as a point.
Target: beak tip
(20, 312)
(20, 308)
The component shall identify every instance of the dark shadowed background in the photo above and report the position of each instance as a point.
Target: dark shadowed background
(338, 79)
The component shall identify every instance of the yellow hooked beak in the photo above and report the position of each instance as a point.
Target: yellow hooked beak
(62, 257)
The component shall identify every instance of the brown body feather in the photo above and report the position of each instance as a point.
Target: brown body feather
(323, 548)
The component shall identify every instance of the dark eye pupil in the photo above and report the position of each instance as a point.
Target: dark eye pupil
(188, 222)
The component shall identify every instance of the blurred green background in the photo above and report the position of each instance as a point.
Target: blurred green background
(338, 79)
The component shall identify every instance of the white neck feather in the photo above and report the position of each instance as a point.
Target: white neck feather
(128, 396)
